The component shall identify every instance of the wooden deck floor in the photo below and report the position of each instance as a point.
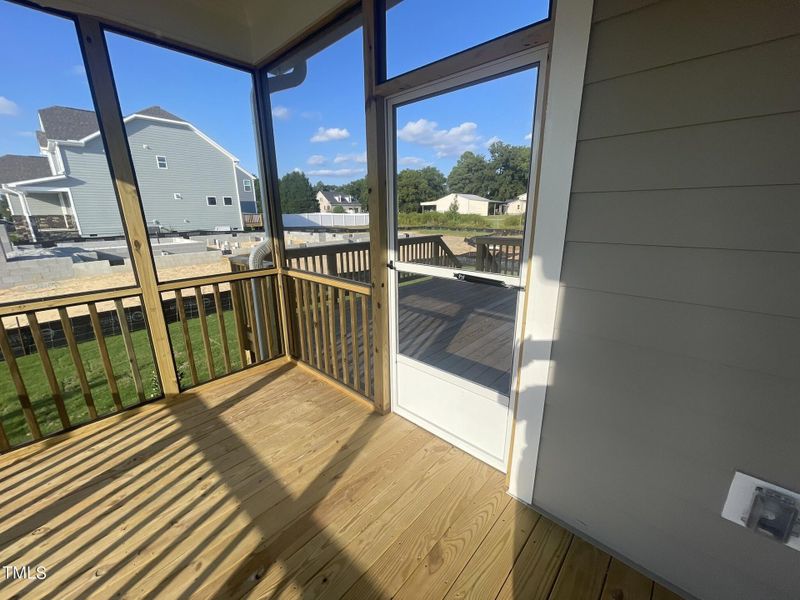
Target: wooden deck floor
(463, 328)
(273, 484)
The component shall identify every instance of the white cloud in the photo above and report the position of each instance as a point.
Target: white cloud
(528, 137)
(446, 142)
(329, 134)
(336, 172)
(27, 134)
(79, 70)
(317, 159)
(311, 114)
(492, 140)
(356, 158)
(411, 161)
(280, 112)
(8, 107)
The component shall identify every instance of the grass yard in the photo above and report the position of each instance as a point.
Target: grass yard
(41, 397)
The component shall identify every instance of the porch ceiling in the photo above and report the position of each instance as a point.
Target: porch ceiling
(240, 31)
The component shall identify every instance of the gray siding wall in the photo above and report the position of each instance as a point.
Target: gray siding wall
(678, 340)
(248, 199)
(196, 169)
(44, 204)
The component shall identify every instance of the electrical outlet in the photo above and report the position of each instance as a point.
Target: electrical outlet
(765, 508)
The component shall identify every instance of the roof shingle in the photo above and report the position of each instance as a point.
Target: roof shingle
(14, 167)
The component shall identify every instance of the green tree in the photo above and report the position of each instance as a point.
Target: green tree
(338, 210)
(510, 169)
(297, 195)
(357, 189)
(471, 175)
(419, 185)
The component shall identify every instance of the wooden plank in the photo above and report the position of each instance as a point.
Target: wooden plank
(336, 282)
(238, 319)
(373, 14)
(332, 326)
(624, 582)
(323, 310)
(4, 443)
(201, 315)
(108, 369)
(19, 384)
(538, 564)
(307, 319)
(343, 338)
(366, 349)
(215, 279)
(109, 114)
(269, 317)
(187, 340)
(583, 573)
(16, 308)
(313, 289)
(69, 335)
(252, 333)
(354, 341)
(129, 349)
(47, 367)
(299, 318)
(272, 290)
(487, 570)
(226, 353)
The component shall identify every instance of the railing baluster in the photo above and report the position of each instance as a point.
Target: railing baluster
(343, 338)
(296, 285)
(201, 314)
(261, 292)
(72, 344)
(226, 353)
(312, 288)
(365, 335)
(305, 301)
(4, 443)
(186, 337)
(108, 369)
(332, 325)
(238, 318)
(354, 340)
(47, 367)
(272, 304)
(323, 308)
(19, 384)
(129, 349)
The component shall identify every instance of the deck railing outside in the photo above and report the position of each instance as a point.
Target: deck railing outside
(498, 254)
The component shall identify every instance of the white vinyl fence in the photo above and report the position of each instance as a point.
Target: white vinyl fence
(326, 220)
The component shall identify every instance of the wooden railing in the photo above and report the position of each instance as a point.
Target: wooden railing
(71, 361)
(351, 260)
(332, 328)
(498, 254)
(221, 325)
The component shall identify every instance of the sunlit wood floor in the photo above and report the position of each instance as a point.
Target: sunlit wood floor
(273, 484)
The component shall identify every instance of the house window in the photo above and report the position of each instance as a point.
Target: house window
(211, 200)
(227, 201)
(161, 162)
(247, 185)
(177, 196)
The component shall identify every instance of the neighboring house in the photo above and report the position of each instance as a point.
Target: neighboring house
(468, 204)
(188, 182)
(517, 206)
(328, 201)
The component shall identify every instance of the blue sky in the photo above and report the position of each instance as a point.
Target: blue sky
(319, 126)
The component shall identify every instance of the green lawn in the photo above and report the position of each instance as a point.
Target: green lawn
(39, 391)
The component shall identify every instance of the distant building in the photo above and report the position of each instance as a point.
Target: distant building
(517, 206)
(188, 182)
(468, 204)
(329, 200)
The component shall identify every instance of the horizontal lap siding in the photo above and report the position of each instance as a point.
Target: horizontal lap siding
(679, 321)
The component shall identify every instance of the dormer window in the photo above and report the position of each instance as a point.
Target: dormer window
(161, 162)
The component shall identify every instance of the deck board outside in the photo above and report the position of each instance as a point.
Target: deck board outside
(273, 484)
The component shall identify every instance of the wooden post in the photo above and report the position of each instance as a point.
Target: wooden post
(112, 129)
(374, 14)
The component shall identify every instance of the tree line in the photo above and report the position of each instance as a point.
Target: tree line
(502, 175)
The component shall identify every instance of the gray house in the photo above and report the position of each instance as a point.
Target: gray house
(188, 182)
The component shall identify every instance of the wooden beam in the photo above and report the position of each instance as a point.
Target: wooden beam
(374, 15)
(502, 47)
(212, 279)
(112, 129)
(336, 282)
(62, 301)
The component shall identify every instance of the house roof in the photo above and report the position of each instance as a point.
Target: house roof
(331, 197)
(14, 167)
(66, 123)
(451, 197)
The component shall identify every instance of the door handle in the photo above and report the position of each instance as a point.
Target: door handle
(485, 281)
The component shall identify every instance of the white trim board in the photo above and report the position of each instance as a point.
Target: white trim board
(567, 65)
